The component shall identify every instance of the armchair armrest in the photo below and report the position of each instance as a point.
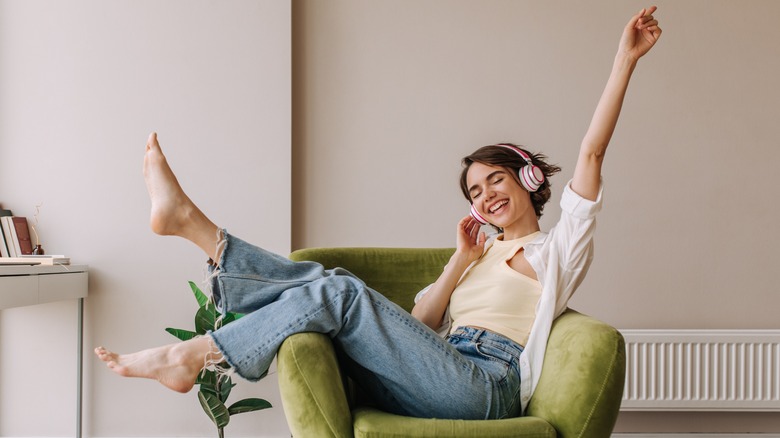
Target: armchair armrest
(581, 386)
(310, 382)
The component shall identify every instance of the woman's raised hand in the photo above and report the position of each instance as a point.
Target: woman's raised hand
(640, 34)
(470, 241)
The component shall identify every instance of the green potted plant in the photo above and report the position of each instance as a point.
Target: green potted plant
(215, 387)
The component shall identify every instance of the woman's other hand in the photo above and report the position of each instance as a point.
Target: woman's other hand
(640, 34)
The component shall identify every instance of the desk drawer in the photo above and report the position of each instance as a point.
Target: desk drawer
(54, 287)
(18, 291)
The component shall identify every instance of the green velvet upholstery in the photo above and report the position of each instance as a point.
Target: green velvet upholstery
(578, 395)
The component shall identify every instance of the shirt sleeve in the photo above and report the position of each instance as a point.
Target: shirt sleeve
(422, 293)
(444, 329)
(568, 252)
(579, 207)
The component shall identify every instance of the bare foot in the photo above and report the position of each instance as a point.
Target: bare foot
(176, 366)
(170, 205)
(173, 213)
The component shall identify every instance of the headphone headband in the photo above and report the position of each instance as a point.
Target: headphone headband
(519, 151)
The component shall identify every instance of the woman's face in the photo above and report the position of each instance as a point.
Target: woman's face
(497, 195)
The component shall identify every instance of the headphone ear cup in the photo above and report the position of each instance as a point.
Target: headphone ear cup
(531, 177)
(477, 217)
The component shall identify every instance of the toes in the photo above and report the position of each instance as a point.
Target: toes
(152, 140)
(105, 355)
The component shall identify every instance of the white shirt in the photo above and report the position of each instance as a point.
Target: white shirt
(560, 258)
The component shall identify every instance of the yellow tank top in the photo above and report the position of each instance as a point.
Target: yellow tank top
(494, 296)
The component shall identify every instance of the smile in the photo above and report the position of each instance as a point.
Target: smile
(495, 207)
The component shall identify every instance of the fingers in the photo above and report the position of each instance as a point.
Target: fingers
(466, 221)
(470, 227)
(650, 25)
(646, 23)
(649, 28)
(645, 20)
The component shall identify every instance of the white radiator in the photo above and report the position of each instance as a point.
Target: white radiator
(702, 370)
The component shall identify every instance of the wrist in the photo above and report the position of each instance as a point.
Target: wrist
(461, 259)
(624, 60)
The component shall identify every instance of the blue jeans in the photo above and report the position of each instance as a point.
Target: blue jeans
(403, 365)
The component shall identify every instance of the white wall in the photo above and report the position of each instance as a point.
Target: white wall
(389, 95)
(82, 83)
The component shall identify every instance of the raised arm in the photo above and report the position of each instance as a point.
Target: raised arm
(470, 244)
(639, 36)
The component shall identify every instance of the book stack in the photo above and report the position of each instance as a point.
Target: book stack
(16, 246)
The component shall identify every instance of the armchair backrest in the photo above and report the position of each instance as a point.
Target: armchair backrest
(397, 273)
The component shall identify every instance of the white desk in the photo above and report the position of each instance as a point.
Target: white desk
(30, 285)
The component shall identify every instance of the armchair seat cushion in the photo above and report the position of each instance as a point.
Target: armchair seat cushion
(372, 423)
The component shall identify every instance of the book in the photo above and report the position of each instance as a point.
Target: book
(47, 260)
(22, 235)
(8, 234)
(3, 244)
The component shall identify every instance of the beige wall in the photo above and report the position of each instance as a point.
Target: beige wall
(389, 95)
(82, 83)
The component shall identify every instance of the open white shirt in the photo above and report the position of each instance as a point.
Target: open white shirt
(560, 258)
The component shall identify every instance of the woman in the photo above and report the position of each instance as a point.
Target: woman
(492, 359)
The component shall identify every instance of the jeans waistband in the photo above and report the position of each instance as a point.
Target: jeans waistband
(482, 335)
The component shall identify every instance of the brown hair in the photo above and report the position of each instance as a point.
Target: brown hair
(496, 155)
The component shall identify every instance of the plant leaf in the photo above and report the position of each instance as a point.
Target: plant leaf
(182, 335)
(214, 408)
(248, 405)
(207, 381)
(200, 296)
(207, 377)
(225, 388)
(228, 318)
(205, 320)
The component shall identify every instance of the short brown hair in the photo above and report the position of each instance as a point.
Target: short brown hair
(496, 155)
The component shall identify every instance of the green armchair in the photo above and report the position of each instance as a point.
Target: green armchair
(578, 394)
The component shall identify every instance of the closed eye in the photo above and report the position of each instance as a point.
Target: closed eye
(493, 179)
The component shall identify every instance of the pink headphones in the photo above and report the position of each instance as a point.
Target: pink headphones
(531, 178)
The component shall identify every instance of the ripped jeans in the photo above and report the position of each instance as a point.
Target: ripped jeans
(403, 365)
